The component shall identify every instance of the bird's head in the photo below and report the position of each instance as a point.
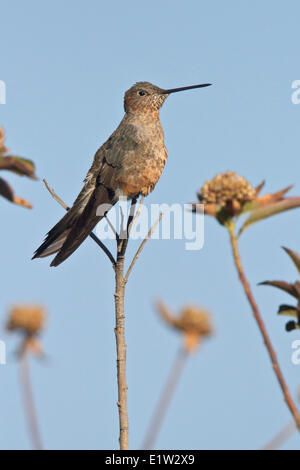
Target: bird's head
(145, 97)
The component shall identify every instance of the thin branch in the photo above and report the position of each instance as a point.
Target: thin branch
(92, 235)
(121, 353)
(121, 236)
(104, 248)
(124, 241)
(55, 196)
(137, 214)
(165, 399)
(120, 282)
(120, 329)
(142, 246)
(260, 323)
(28, 401)
(281, 436)
(112, 227)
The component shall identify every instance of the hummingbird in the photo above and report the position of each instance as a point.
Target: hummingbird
(128, 165)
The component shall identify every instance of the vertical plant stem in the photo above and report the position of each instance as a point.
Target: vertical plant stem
(120, 283)
(165, 399)
(281, 437)
(260, 323)
(28, 402)
(121, 352)
(120, 332)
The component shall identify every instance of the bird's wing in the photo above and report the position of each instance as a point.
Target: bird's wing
(101, 199)
(99, 188)
(57, 236)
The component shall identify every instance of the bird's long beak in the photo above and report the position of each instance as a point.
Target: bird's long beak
(174, 90)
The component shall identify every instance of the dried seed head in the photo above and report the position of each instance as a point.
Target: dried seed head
(29, 319)
(194, 320)
(226, 187)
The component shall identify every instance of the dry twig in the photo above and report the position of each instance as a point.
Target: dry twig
(165, 399)
(119, 295)
(281, 436)
(260, 323)
(28, 401)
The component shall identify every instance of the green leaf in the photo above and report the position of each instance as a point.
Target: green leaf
(285, 286)
(288, 310)
(268, 211)
(294, 257)
(18, 165)
(248, 207)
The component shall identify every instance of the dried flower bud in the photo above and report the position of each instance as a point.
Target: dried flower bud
(194, 319)
(226, 187)
(29, 319)
(195, 323)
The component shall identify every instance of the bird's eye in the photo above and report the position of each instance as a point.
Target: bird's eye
(142, 93)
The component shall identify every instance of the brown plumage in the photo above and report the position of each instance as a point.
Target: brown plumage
(129, 163)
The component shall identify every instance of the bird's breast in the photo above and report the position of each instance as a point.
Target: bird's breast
(143, 166)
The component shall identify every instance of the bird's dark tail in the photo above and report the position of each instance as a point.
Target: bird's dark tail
(99, 204)
(57, 236)
(66, 236)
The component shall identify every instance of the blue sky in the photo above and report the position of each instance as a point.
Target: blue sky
(66, 65)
